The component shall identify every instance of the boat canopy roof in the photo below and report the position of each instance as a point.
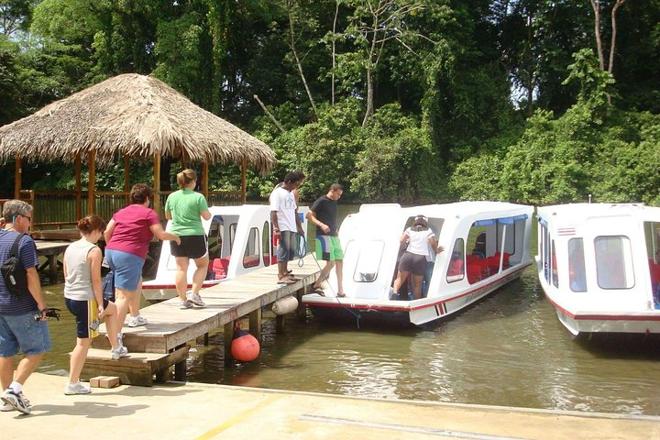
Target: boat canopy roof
(576, 213)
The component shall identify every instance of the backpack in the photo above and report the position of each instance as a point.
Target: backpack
(13, 273)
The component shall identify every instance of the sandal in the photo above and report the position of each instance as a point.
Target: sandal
(286, 281)
(318, 290)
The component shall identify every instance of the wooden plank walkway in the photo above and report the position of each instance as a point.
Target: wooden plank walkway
(170, 326)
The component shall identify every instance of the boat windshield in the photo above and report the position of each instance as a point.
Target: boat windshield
(367, 256)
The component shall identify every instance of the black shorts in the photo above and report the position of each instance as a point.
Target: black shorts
(192, 246)
(413, 263)
(81, 310)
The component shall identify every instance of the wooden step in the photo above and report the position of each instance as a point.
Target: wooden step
(135, 369)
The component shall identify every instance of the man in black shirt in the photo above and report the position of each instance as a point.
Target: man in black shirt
(323, 214)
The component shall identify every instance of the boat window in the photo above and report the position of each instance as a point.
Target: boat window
(614, 262)
(553, 258)
(577, 274)
(369, 256)
(652, 235)
(265, 243)
(216, 234)
(251, 256)
(456, 269)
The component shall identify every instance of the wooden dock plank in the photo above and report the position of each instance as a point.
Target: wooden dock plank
(170, 325)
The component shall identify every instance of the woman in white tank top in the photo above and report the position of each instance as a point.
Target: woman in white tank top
(84, 299)
(421, 241)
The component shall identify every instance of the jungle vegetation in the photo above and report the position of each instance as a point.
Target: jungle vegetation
(530, 101)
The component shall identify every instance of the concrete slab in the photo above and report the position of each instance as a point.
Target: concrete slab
(202, 411)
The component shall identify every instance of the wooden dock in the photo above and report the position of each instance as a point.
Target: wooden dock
(171, 327)
(51, 250)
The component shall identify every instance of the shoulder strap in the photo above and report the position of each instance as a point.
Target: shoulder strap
(14, 248)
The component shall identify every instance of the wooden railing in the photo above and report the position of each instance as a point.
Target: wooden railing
(62, 209)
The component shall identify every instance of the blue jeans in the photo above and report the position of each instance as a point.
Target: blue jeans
(22, 333)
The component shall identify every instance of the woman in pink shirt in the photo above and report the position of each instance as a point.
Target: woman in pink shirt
(127, 236)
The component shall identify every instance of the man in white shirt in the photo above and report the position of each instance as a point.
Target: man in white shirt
(286, 222)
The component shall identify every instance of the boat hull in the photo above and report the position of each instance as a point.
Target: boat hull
(418, 313)
(598, 322)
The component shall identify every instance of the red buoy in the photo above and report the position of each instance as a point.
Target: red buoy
(245, 347)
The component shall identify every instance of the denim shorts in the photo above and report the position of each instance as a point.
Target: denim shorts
(127, 268)
(22, 333)
(286, 251)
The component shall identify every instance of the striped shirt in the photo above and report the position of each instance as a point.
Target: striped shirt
(27, 254)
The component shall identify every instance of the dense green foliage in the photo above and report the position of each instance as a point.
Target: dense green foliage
(399, 100)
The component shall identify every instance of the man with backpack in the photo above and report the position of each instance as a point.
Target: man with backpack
(23, 326)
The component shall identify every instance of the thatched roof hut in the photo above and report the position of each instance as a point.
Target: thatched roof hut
(131, 115)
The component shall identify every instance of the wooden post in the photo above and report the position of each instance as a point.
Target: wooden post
(91, 185)
(228, 338)
(243, 180)
(255, 324)
(77, 167)
(127, 183)
(180, 367)
(205, 178)
(18, 177)
(155, 203)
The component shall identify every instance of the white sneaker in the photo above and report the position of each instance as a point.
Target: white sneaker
(136, 321)
(6, 408)
(186, 304)
(195, 299)
(76, 388)
(17, 401)
(120, 352)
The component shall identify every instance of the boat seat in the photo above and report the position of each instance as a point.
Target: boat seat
(455, 267)
(219, 268)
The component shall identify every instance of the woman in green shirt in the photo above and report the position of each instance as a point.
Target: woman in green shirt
(186, 208)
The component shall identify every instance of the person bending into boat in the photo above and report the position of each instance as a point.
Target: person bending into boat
(186, 208)
(420, 241)
(127, 236)
(83, 296)
(323, 214)
(286, 222)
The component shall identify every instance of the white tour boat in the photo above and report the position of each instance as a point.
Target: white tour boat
(240, 240)
(599, 265)
(460, 276)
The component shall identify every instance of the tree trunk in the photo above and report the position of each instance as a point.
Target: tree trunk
(370, 97)
(617, 5)
(595, 5)
(334, 49)
(292, 36)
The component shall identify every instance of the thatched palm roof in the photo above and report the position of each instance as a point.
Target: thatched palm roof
(132, 115)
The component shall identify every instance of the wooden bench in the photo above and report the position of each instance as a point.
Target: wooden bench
(136, 369)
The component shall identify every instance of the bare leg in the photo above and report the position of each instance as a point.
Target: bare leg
(26, 366)
(124, 297)
(200, 273)
(112, 324)
(339, 267)
(417, 285)
(323, 275)
(6, 371)
(282, 268)
(134, 303)
(181, 279)
(401, 278)
(78, 356)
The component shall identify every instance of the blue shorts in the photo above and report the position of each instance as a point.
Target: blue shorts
(22, 333)
(127, 268)
(85, 312)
